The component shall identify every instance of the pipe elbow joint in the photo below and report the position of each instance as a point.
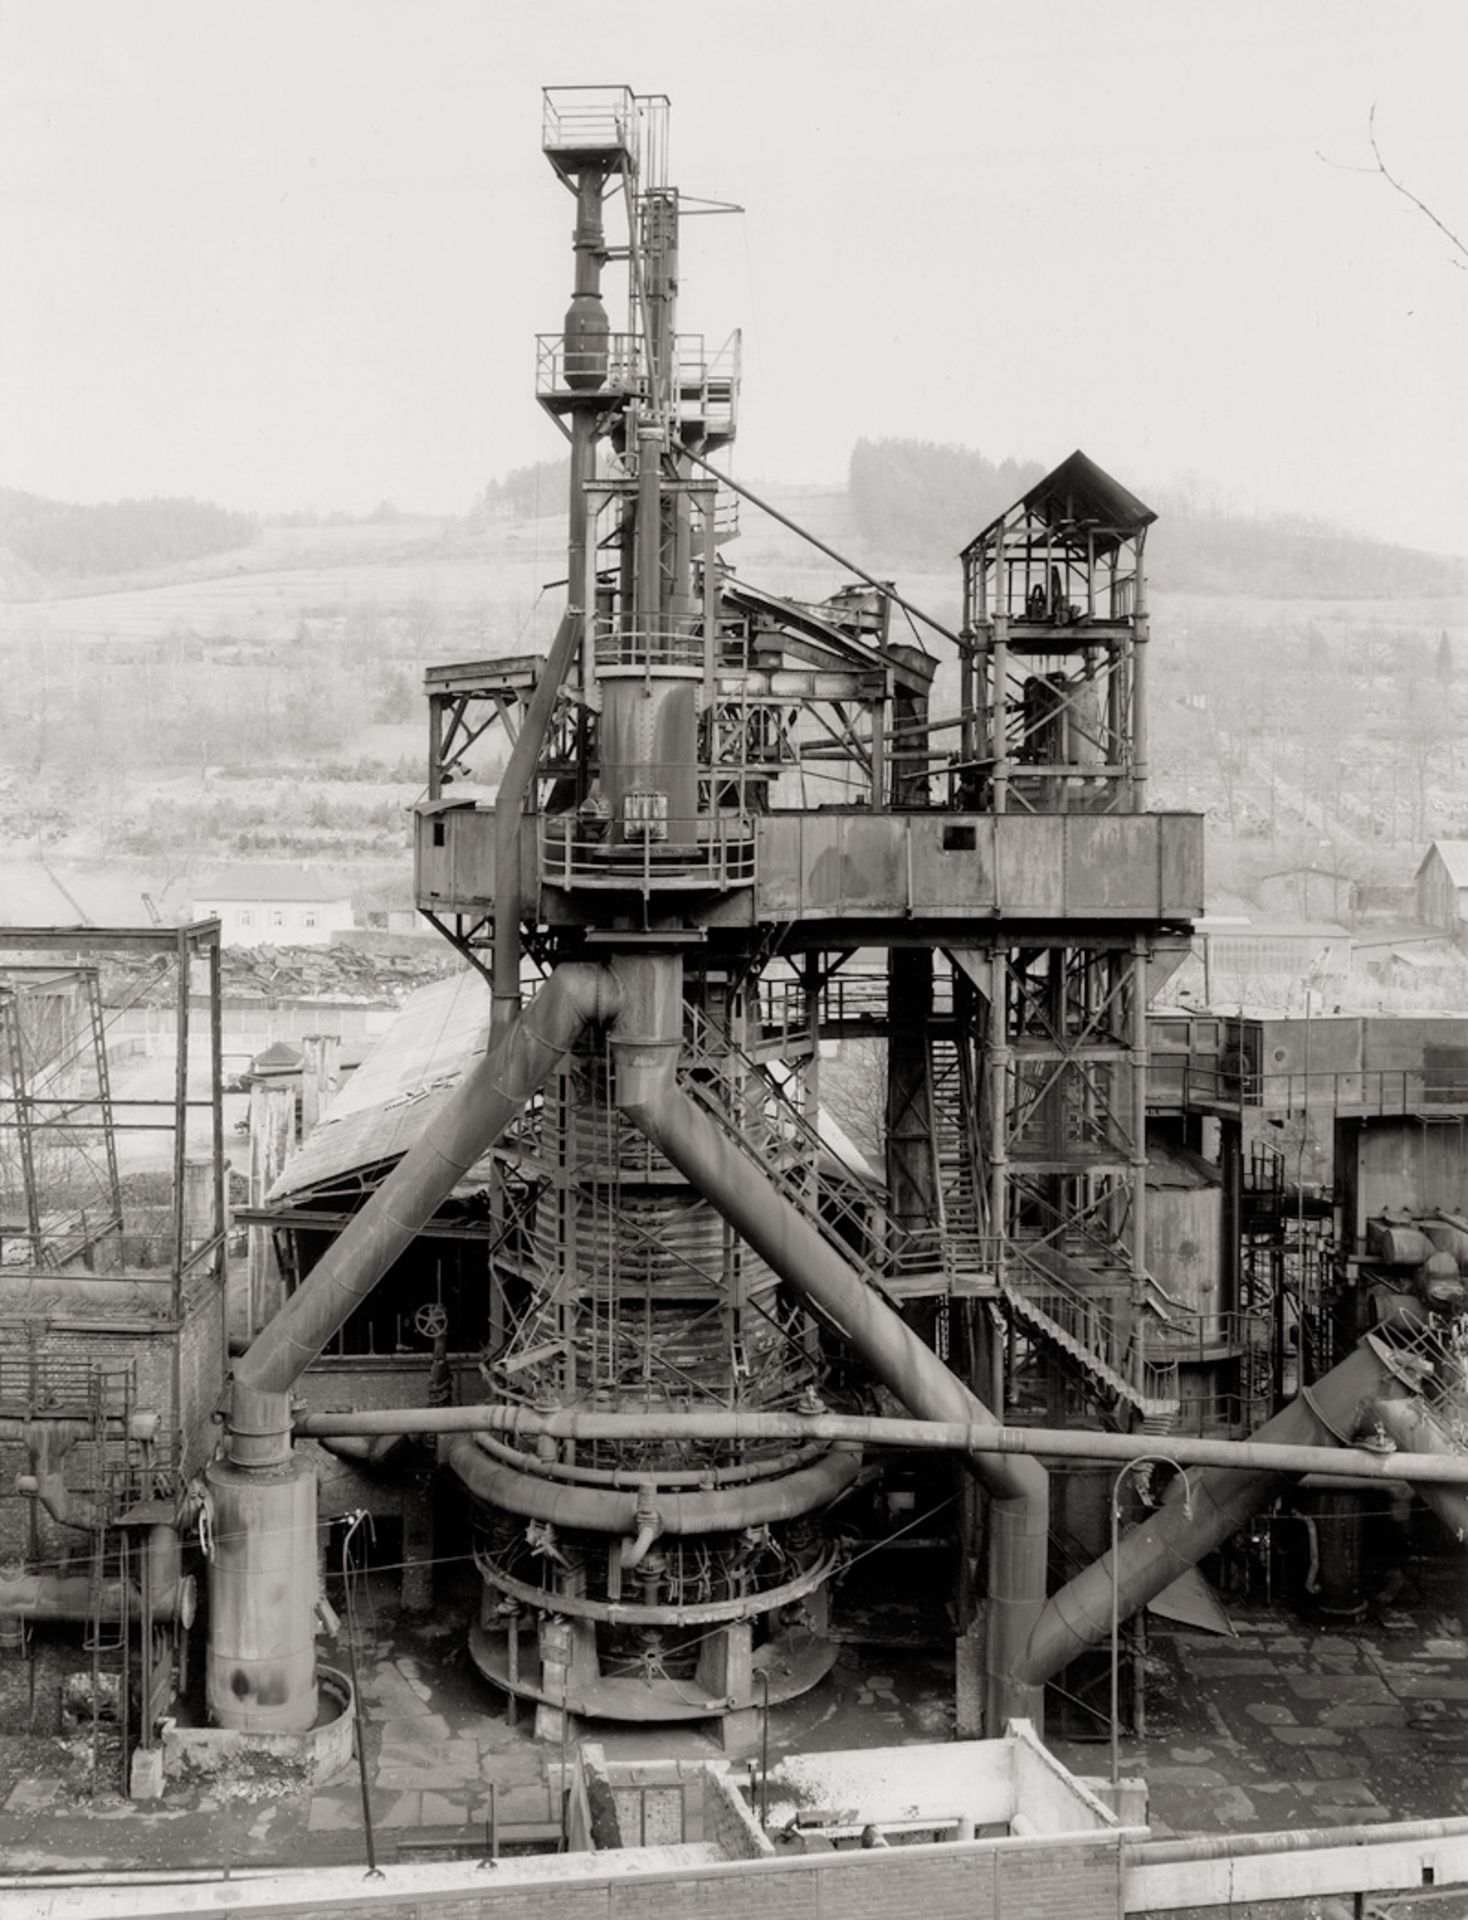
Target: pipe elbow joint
(649, 1525)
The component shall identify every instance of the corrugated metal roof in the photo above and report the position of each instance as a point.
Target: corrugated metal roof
(402, 1082)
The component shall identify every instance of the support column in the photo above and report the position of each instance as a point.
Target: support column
(726, 1672)
(272, 1135)
(320, 1076)
(418, 1550)
(912, 1176)
(1137, 988)
(999, 711)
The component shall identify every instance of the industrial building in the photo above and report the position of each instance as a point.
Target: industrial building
(575, 1265)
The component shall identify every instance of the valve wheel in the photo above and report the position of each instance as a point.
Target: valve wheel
(432, 1321)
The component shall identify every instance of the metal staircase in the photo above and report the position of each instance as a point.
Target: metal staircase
(960, 1259)
(1078, 1328)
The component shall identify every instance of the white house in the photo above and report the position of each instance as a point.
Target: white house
(277, 904)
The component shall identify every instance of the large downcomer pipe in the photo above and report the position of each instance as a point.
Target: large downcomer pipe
(1018, 1487)
(257, 1492)
(1155, 1554)
(261, 1662)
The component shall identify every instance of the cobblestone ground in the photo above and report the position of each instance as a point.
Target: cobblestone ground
(1288, 1725)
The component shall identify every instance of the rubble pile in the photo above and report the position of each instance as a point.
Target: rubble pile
(271, 975)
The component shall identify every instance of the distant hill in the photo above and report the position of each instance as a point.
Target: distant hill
(59, 540)
(923, 502)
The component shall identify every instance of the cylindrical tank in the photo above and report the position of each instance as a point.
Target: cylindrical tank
(649, 756)
(261, 1675)
(584, 352)
(1184, 1236)
(1336, 1516)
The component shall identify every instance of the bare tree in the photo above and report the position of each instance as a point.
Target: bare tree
(1380, 168)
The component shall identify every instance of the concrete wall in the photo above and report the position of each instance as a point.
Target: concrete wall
(971, 1779)
(1052, 1800)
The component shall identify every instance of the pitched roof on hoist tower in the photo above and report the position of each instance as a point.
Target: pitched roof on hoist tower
(1074, 497)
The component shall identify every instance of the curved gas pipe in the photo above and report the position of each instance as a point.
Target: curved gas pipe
(642, 999)
(645, 1042)
(1334, 1410)
(1028, 1638)
(66, 1596)
(261, 1660)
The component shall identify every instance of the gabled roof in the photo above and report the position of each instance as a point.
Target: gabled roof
(1454, 856)
(1077, 497)
(263, 880)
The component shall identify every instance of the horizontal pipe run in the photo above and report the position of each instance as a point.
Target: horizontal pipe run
(607, 1510)
(765, 1467)
(1350, 1464)
(1236, 1846)
(1410, 1425)
(59, 1596)
(1242, 1872)
(632, 1613)
(1220, 1501)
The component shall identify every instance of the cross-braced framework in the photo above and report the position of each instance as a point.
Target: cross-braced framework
(59, 1192)
(111, 1123)
(112, 1170)
(1061, 1155)
(1055, 622)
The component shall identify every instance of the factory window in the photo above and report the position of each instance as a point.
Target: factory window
(959, 840)
(438, 833)
(277, 916)
(247, 916)
(310, 916)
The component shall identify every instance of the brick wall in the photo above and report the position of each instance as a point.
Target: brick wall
(728, 1820)
(1007, 1881)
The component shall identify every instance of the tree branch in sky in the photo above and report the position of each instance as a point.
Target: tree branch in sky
(1459, 247)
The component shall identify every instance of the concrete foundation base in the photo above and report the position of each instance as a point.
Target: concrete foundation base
(319, 1754)
(145, 1774)
(968, 1686)
(552, 1726)
(796, 1662)
(738, 1733)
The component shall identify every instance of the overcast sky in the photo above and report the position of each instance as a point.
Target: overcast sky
(294, 254)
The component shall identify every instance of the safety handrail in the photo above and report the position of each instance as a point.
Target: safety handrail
(1377, 1089)
(594, 119)
(709, 851)
(662, 643)
(1088, 1322)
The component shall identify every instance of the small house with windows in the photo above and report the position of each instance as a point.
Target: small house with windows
(274, 904)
